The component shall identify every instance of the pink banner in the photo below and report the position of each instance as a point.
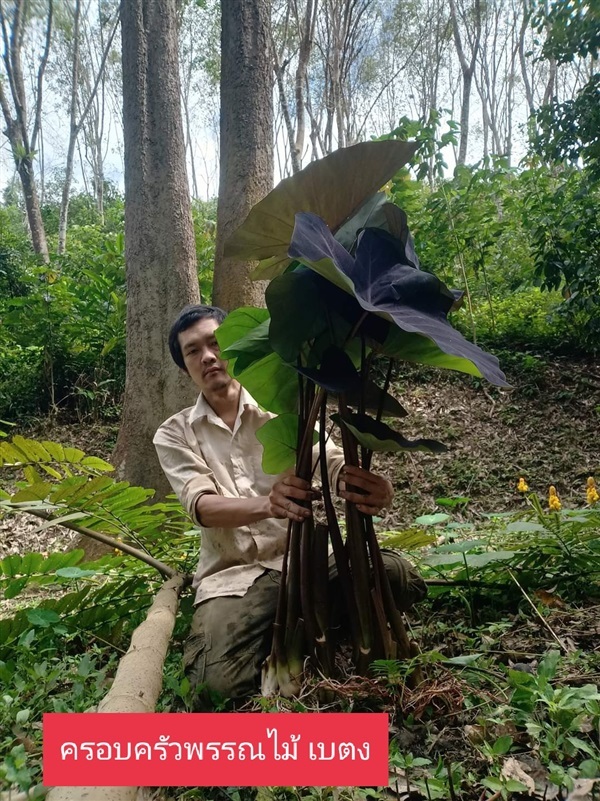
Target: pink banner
(216, 750)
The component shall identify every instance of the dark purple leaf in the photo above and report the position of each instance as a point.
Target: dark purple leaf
(415, 300)
(378, 436)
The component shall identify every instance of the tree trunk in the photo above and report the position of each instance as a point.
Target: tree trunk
(159, 238)
(524, 74)
(467, 68)
(306, 41)
(23, 145)
(285, 111)
(73, 134)
(77, 125)
(246, 144)
(32, 206)
(464, 117)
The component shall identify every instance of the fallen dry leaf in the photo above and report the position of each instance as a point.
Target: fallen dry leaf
(582, 791)
(549, 599)
(513, 769)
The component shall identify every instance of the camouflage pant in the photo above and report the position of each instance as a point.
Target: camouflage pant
(230, 637)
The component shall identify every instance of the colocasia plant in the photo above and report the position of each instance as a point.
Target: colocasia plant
(346, 287)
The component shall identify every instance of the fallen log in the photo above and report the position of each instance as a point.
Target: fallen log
(138, 681)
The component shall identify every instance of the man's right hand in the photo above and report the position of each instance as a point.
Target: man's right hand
(284, 496)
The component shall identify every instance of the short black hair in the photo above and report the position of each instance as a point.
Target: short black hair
(186, 319)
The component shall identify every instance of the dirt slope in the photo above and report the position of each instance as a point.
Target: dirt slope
(546, 428)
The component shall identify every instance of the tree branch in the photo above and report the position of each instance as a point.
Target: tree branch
(99, 75)
(163, 569)
(40, 78)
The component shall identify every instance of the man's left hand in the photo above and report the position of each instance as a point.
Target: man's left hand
(377, 490)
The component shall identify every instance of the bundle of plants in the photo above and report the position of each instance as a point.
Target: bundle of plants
(346, 289)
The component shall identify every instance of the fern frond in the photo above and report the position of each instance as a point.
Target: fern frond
(98, 506)
(112, 507)
(30, 455)
(105, 612)
(17, 572)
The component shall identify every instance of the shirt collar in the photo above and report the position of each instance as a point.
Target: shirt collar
(203, 409)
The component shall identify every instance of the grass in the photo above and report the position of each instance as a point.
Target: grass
(510, 647)
(510, 652)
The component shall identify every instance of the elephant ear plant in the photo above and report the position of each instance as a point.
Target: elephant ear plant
(345, 287)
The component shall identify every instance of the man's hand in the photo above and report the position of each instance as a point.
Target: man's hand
(377, 491)
(285, 493)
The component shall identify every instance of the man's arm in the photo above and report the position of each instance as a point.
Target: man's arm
(369, 491)
(216, 511)
(374, 491)
(195, 485)
(193, 482)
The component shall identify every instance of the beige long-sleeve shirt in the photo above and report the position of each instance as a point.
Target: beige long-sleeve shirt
(200, 454)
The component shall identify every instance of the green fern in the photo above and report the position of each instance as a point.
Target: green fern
(80, 494)
(17, 572)
(106, 612)
(29, 454)
(75, 492)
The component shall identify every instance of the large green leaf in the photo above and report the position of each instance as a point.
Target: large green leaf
(336, 372)
(383, 280)
(243, 339)
(416, 348)
(334, 187)
(298, 312)
(377, 436)
(250, 348)
(371, 213)
(238, 324)
(272, 383)
(279, 438)
(378, 212)
(372, 401)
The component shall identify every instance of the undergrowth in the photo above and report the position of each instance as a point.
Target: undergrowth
(508, 706)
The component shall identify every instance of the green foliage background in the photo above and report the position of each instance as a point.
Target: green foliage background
(62, 333)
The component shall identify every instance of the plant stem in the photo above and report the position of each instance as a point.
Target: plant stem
(163, 569)
(319, 565)
(391, 610)
(358, 556)
(561, 645)
(339, 550)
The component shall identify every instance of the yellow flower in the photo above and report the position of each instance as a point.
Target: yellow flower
(522, 486)
(592, 491)
(553, 500)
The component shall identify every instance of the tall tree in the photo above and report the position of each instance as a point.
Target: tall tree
(495, 77)
(471, 20)
(294, 33)
(199, 58)
(82, 96)
(246, 145)
(159, 237)
(23, 137)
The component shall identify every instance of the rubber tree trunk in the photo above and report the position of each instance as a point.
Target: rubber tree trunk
(32, 206)
(246, 145)
(159, 236)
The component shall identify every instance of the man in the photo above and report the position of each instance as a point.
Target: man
(212, 459)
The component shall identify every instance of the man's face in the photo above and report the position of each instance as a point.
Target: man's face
(200, 351)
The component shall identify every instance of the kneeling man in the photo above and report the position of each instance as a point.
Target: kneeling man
(211, 456)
